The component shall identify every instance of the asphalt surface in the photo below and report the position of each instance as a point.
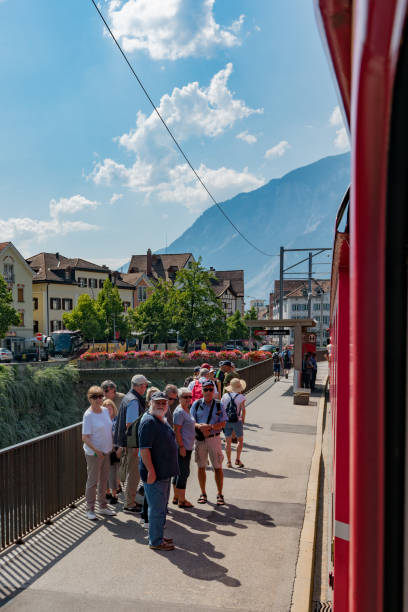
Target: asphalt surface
(241, 556)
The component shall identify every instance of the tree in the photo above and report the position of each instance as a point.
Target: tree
(87, 318)
(8, 315)
(197, 312)
(251, 314)
(154, 317)
(111, 309)
(237, 330)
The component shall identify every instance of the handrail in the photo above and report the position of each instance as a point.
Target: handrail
(41, 477)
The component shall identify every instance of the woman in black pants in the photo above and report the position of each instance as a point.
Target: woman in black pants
(184, 428)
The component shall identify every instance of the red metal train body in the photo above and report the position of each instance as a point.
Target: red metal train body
(368, 47)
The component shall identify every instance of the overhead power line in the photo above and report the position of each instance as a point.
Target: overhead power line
(175, 141)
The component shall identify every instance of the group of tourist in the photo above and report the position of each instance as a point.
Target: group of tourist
(146, 439)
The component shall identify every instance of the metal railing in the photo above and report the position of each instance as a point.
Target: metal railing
(256, 373)
(43, 476)
(38, 479)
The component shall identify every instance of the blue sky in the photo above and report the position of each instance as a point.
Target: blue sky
(85, 167)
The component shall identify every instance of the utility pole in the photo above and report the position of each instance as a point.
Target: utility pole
(309, 287)
(281, 256)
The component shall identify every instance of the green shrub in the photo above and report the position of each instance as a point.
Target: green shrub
(35, 401)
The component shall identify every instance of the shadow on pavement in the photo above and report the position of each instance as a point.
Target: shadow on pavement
(254, 447)
(23, 564)
(247, 471)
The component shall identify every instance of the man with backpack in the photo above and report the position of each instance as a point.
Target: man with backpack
(210, 418)
(277, 364)
(287, 361)
(133, 405)
(233, 401)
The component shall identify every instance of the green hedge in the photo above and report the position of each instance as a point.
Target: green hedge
(35, 401)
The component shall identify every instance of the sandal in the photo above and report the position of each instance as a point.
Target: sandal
(220, 500)
(175, 501)
(202, 499)
(229, 464)
(185, 504)
(239, 464)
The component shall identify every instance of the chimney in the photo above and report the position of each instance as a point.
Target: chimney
(149, 262)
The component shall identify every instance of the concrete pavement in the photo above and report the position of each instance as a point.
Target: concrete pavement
(241, 556)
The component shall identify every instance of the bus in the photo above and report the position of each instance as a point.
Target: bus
(65, 343)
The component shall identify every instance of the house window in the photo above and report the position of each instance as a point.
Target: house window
(67, 304)
(56, 325)
(93, 282)
(326, 320)
(326, 306)
(20, 294)
(35, 303)
(9, 272)
(316, 306)
(125, 305)
(55, 303)
(21, 324)
(35, 327)
(101, 281)
(83, 282)
(141, 294)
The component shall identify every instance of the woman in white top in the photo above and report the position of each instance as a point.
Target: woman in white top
(97, 438)
(233, 401)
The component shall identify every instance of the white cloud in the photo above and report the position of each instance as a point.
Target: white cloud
(38, 229)
(190, 111)
(246, 137)
(70, 205)
(170, 29)
(335, 117)
(116, 197)
(278, 150)
(342, 140)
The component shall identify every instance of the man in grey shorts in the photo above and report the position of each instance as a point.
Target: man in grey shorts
(210, 418)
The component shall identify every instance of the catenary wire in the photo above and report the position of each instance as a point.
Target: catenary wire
(175, 141)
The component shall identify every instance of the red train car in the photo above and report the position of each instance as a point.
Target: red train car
(368, 47)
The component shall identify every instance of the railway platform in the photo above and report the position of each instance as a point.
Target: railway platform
(241, 556)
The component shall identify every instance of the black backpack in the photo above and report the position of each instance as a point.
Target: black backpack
(231, 410)
(132, 432)
(276, 358)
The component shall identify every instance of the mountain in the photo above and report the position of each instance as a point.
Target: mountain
(297, 210)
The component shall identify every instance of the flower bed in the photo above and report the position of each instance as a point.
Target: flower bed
(167, 358)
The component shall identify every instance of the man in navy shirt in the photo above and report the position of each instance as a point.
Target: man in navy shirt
(210, 418)
(158, 463)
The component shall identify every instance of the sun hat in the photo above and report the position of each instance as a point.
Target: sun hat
(237, 385)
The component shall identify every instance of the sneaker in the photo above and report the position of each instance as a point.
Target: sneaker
(113, 501)
(91, 515)
(134, 509)
(107, 512)
(141, 490)
(108, 496)
(163, 546)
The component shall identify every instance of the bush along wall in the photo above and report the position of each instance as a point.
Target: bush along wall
(35, 401)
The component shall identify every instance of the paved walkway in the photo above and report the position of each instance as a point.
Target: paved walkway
(238, 557)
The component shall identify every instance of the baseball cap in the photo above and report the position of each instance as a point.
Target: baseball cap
(139, 379)
(227, 363)
(159, 395)
(206, 365)
(197, 369)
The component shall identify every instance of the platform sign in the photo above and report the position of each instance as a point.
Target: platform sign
(261, 332)
(279, 332)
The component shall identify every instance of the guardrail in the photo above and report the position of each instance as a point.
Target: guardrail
(38, 479)
(43, 476)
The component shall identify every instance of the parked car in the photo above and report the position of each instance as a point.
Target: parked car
(5, 355)
(268, 347)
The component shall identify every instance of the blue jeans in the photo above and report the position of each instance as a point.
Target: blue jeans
(157, 497)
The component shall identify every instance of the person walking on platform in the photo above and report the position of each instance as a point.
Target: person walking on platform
(287, 361)
(277, 364)
(314, 371)
(210, 418)
(184, 428)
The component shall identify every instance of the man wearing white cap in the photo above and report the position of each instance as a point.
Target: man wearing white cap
(132, 406)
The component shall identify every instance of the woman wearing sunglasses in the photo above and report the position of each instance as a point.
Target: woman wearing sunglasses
(97, 438)
(184, 428)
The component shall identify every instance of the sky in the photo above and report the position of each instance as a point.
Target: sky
(87, 168)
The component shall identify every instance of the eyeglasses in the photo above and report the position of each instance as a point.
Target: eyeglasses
(172, 398)
(208, 390)
(99, 396)
(187, 396)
